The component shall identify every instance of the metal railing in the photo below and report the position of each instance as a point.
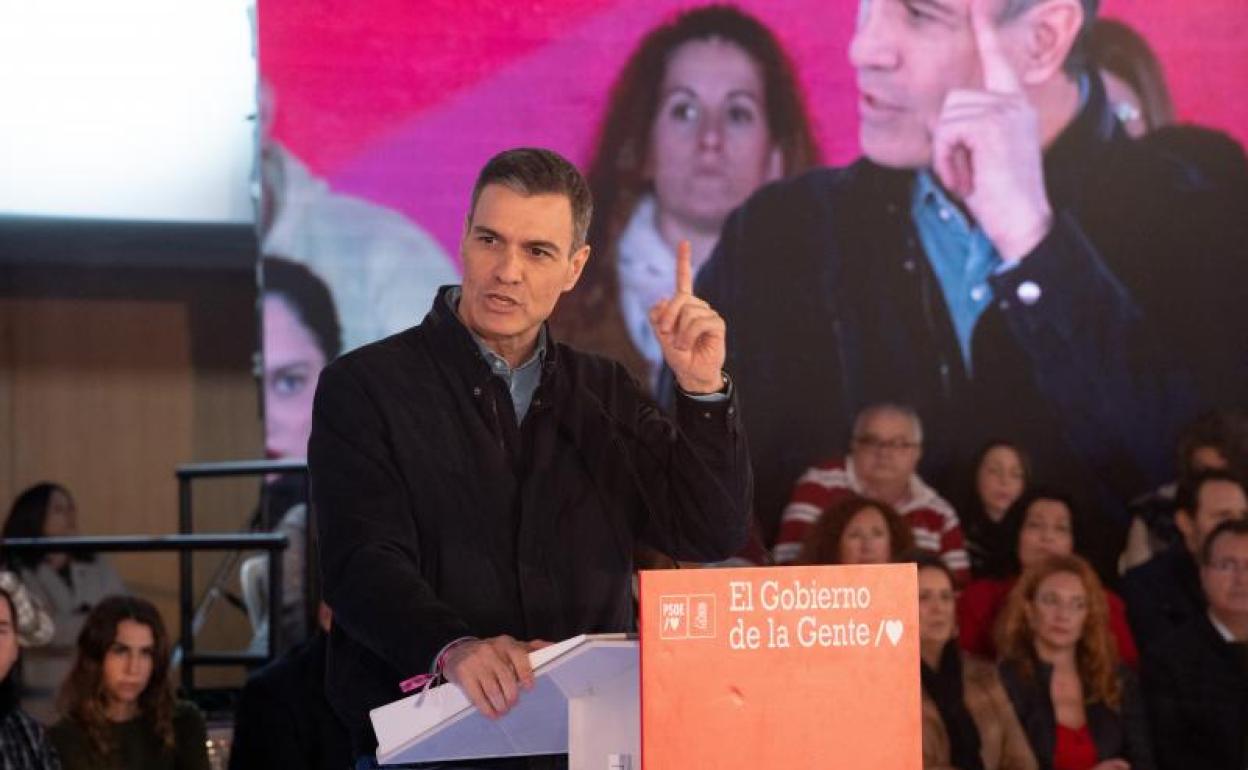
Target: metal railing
(190, 612)
(184, 544)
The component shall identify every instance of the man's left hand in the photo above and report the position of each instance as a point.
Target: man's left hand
(690, 332)
(986, 149)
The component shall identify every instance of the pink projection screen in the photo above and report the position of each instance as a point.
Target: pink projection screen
(379, 113)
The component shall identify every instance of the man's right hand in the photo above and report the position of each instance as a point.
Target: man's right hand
(491, 671)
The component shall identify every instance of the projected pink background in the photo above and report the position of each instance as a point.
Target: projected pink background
(401, 102)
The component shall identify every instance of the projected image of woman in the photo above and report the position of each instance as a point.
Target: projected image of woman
(705, 111)
(301, 336)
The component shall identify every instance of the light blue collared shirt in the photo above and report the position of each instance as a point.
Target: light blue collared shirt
(523, 380)
(957, 249)
(960, 254)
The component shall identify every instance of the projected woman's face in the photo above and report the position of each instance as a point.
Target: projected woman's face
(292, 364)
(710, 145)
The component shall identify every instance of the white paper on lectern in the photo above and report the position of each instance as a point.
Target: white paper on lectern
(405, 723)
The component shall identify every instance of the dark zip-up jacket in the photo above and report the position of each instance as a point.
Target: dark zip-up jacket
(440, 517)
(1196, 686)
(1120, 733)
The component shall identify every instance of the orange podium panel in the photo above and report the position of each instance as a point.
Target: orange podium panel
(783, 668)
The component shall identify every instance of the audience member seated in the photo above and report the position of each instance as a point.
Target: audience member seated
(857, 530)
(1196, 680)
(118, 701)
(884, 454)
(997, 478)
(1040, 524)
(1164, 592)
(968, 722)
(1217, 440)
(67, 585)
(1080, 708)
(23, 744)
(283, 718)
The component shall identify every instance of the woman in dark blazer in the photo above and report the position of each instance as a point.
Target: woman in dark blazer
(1081, 709)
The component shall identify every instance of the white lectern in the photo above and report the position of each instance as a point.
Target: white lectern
(584, 702)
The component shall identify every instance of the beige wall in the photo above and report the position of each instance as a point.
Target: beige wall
(110, 380)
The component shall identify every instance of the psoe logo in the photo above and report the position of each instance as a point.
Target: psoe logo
(702, 616)
(673, 617)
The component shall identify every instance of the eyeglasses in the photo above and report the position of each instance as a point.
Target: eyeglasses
(876, 443)
(1229, 566)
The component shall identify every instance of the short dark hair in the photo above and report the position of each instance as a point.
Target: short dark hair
(1187, 497)
(536, 171)
(1077, 60)
(930, 560)
(1230, 527)
(309, 299)
(1225, 430)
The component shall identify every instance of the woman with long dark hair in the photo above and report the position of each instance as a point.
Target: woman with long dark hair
(118, 701)
(68, 585)
(705, 111)
(1040, 524)
(1000, 472)
(1081, 709)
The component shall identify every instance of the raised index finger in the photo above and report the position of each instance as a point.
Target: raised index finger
(999, 75)
(684, 268)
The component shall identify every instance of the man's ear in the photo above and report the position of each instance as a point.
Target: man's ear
(578, 259)
(1046, 34)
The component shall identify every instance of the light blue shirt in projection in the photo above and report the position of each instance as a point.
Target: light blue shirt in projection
(960, 254)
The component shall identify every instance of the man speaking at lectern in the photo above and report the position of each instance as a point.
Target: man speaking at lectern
(479, 487)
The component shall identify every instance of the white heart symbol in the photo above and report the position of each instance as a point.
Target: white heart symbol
(893, 629)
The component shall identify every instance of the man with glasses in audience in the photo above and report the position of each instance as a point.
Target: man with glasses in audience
(1196, 681)
(882, 464)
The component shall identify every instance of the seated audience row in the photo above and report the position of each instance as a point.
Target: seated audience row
(118, 704)
(973, 537)
(1057, 698)
(885, 449)
(1072, 704)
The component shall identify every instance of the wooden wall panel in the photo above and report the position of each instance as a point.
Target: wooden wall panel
(101, 402)
(107, 390)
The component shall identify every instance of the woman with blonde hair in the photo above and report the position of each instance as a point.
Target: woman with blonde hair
(1081, 709)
